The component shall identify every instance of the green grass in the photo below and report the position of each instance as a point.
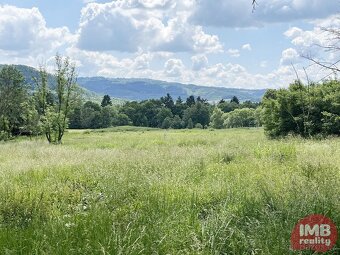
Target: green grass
(141, 191)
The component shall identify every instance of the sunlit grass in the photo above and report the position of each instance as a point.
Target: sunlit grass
(139, 191)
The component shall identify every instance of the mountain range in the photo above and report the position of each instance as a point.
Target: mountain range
(142, 89)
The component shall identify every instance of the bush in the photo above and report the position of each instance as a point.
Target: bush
(4, 136)
(199, 126)
(306, 111)
(166, 123)
(240, 118)
(190, 124)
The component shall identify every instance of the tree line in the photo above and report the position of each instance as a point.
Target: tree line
(192, 112)
(306, 110)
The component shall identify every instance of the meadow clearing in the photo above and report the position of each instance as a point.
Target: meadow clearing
(139, 191)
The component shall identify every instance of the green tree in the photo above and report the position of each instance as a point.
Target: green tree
(108, 114)
(122, 120)
(106, 101)
(91, 115)
(55, 119)
(168, 102)
(31, 125)
(13, 96)
(162, 115)
(179, 107)
(176, 122)
(199, 126)
(240, 118)
(227, 106)
(199, 113)
(190, 101)
(190, 124)
(217, 119)
(166, 123)
(76, 118)
(5, 133)
(235, 100)
(304, 110)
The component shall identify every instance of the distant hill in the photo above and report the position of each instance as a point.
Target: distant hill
(30, 72)
(141, 89)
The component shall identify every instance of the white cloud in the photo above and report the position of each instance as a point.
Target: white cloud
(313, 43)
(234, 53)
(24, 31)
(199, 62)
(247, 47)
(88, 1)
(174, 67)
(128, 25)
(202, 73)
(159, 38)
(289, 56)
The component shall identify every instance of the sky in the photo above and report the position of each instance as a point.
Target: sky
(221, 43)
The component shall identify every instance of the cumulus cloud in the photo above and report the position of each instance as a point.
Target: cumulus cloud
(174, 67)
(247, 47)
(229, 13)
(313, 43)
(140, 65)
(199, 62)
(234, 53)
(128, 26)
(24, 31)
(159, 36)
(289, 56)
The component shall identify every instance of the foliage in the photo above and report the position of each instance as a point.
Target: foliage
(13, 94)
(240, 118)
(166, 124)
(106, 101)
(217, 118)
(199, 126)
(31, 125)
(177, 122)
(190, 124)
(235, 100)
(303, 110)
(198, 113)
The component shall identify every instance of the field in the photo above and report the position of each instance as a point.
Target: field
(138, 191)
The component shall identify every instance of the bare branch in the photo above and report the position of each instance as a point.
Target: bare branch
(333, 45)
(296, 73)
(330, 66)
(254, 3)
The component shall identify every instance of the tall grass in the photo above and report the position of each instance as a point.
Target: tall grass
(164, 192)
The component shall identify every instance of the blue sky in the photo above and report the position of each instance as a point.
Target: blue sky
(214, 43)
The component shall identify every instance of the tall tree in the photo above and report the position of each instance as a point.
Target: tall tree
(190, 101)
(198, 113)
(168, 102)
(55, 118)
(13, 94)
(217, 119)
(106, 101)
(235, 100)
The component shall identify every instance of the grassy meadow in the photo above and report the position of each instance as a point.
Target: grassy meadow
(138, 191)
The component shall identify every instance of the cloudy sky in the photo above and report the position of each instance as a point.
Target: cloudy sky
(205, 42)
